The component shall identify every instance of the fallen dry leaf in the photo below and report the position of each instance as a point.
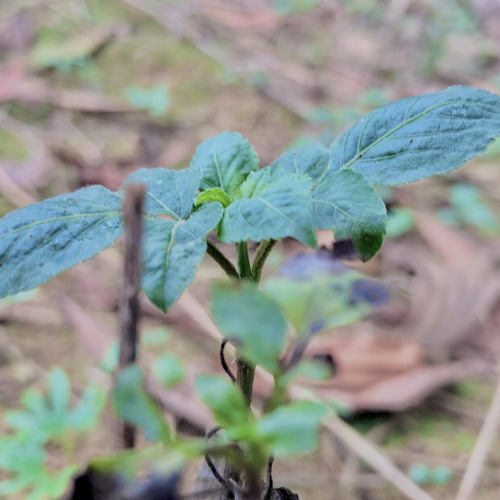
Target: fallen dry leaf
(408, 389)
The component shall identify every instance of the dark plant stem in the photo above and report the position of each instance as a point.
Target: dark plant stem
(244, 261)
(244, 378)
(263, 252)
(222, 260)
(129, 304)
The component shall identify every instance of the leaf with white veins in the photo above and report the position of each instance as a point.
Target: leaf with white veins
(347, 204)
(420, 136)
(173, 251)
(276, 210)
(225, 161)
(44, 239)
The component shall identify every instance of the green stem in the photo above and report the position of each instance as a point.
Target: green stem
(263, 252)
(244, 378)
(244, 371)
(244, 261)
(278, 396)
(222, 260)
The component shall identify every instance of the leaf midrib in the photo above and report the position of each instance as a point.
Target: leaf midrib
(58, 219)
(395, 129)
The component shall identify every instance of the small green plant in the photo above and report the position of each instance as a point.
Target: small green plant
(223, 190)
(45, 420)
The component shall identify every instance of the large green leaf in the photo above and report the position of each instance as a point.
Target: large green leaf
(170, 193)
(342, 201)
(174, 239)
(265, 211)
(224, 398)
(44, 239)
(173, 250)
(418, 137)
(255, 322)
(225, 161)
(135, 406)
(312, 160)
(292, 429)
(347, 204)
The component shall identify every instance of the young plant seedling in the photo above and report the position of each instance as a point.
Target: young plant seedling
(223, 190)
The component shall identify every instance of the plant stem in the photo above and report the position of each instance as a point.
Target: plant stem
(263, 252)
(222, 260)
(244, 378)
(245, 371)
(244, 374)
(244, 261)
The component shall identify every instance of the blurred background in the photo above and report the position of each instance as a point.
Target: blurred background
(91, 90)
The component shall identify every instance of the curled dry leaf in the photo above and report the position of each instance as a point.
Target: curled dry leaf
(375, 373)
(453, 289)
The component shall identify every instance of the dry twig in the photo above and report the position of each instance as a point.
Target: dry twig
(129, 304)
(481, 450)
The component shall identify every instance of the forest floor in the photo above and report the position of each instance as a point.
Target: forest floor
(92, 90)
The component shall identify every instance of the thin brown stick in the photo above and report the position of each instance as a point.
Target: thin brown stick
(481, 450)
(129, 304)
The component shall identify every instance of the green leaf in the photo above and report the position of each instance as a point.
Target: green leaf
(110, 359)
(348, 205)
(418, 137)
(282, 208)
(316, 292)
(155, 100)
(400, 220)
(20, 457)
(255, 323)
(25, 462)
(85, 414)
(134, 406)
(174, 239)
(224, 399)
(59, 390)
(51, 417)
(472, 209)
(292, 429)
(168, 369)
(44, 239)
(65, 53)
(306, 368)
(169, 193)
(225, 161)
(173, 251)
(213, 194)
(155, 336)
(312, 159)
(128, 464)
